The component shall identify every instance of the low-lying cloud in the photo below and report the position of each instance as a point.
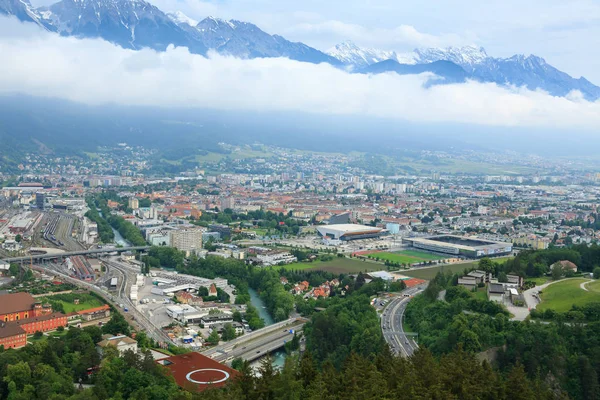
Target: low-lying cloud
(95, 72)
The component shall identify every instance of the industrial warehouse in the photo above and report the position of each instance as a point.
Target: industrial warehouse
(460, 246)
(346, 232)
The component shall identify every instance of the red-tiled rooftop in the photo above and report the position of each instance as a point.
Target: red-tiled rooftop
(413, 282)
(194, 369)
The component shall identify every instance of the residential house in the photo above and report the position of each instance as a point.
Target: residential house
(469, 282)
(120, 342)
(565, 265)
(495, 292)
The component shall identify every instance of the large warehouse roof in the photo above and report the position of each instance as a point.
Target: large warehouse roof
(347, 229)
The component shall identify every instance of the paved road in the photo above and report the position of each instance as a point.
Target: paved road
(120, 298)
(128, 278)
(258, 348)
(260, 334)
(391, 324)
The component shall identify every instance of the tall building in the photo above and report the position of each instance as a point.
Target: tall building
(227, 202)
(134, 203)
(187, 239)
(40, 200)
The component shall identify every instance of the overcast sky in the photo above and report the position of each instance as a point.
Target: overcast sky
(94, 71)
(565, 33)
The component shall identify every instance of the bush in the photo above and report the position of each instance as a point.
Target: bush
(38, 335)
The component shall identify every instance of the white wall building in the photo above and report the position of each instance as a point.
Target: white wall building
(187, 239)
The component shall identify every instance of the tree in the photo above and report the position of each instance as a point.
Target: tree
(14, 269)
(228, 332)
(213, 338)
(237, 364)
(502, 278)
(237, 316)
(116, 325)
(18, 238)
(557, 272)
(487, 265)
(597, 273)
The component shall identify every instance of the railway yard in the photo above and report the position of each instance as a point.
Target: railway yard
(22, 230)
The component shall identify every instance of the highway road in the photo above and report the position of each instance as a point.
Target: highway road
(258, 348)
(391, 324)
(258, 338)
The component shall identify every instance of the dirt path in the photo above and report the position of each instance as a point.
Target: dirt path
(585, 283)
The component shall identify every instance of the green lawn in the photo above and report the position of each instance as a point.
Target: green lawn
(481, 293)
(594, 286)
(429, 273)
(69, 307)
(539, 281)
(57, 333)
(404, 257)
(336, 266)
(563, 295)
(420, 254)
(475, 264)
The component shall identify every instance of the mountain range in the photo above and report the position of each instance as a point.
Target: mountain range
(137, 24)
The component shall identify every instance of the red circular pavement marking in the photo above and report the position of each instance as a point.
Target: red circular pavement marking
(208, 376)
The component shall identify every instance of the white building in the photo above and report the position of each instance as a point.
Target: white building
(227, 202)
(121, 342)
(275, 258)
(187, 239)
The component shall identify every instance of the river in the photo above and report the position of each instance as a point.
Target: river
(119, 239)
(279, 355)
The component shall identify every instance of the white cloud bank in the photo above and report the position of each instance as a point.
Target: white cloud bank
(95, 72)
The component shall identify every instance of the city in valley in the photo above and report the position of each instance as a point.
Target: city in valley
(231, 266)
(286, 200)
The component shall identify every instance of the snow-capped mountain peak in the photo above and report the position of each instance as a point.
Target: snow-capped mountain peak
(212, 23)
(349, 53)
(465, 56)
(180, 18)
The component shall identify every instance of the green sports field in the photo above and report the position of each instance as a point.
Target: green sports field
(561, 296)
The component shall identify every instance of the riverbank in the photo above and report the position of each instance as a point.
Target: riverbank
(278, 356)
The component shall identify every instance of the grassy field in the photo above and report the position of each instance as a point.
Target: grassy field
(90, 302)
(474, 264)
(539, 281)
(594, 286)
(420, 254)
(429, 273)
(481, 293)
(336, 266)
(405, 257)
(563, 295)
